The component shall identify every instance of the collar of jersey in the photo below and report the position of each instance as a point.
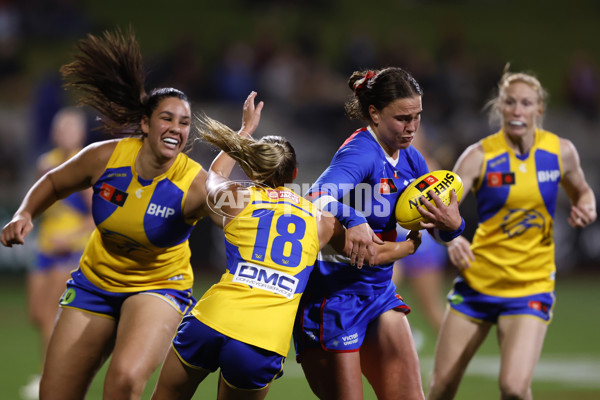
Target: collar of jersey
(387, 156)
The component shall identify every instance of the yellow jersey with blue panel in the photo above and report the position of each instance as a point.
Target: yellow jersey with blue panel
(271, 249)
(141, 238)
(516, 200)
(64, 219)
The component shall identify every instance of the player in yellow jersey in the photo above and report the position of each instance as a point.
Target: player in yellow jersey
(63, 230)
(134, 281)
(243, 324)
(507, 273)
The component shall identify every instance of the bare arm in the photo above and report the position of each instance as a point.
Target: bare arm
(223, 164)
(447, 217)
(468, 167)
(583, 200)
(195, 206)
(389, 252)
(384, 253)
(198, 203)
(78, 173)
(329, 229)
(222, 208)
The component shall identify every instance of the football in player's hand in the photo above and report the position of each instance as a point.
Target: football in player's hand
(441, 182)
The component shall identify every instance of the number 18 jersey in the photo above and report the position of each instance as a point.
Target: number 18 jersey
(271, 249)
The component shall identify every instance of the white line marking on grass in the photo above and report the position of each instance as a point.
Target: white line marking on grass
(568, 369)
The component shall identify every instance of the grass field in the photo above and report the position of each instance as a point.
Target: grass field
(569, 367)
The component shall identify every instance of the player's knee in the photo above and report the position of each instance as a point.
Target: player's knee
(36, 316)
(442, 386)
(124, 382)
(514, 389)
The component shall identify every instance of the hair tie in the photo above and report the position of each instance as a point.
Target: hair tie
(359, 84)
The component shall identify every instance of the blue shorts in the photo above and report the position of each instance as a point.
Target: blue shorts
(338, 323)
(481, 307)
(243, 366)
(84, 295)
(68, 261)
(430, 256)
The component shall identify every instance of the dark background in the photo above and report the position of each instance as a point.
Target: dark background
(298, 54)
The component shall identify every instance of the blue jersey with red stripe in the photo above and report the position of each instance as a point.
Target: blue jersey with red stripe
(363, 177)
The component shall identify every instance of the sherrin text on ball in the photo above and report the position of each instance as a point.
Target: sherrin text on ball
(440, 182)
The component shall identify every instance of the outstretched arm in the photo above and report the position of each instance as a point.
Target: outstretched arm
(384, 253)
(343, 174)
(223, 164)
(390, 252)
(218, 186)
(77, 173)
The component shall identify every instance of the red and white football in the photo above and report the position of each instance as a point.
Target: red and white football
(441, 182)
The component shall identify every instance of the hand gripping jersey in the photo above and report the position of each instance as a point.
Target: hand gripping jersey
(516, 199)
(363, 176)
(141, 238)
(64, 219)
(271, 249)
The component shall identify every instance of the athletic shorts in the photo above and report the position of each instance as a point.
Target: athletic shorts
(84, 295)
(68, 261)
(338, 323)
(481, 307)
(243, 366)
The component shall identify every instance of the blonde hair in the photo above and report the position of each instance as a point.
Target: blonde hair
(270, 160)
(508, 78)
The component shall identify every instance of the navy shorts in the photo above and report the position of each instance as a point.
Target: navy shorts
(481, 307)
(243, 366)
(338, 323)
(84, 295)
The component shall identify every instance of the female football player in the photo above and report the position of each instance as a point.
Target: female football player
(351, 321)
(134, 280)
(243, 324)
(507, 273)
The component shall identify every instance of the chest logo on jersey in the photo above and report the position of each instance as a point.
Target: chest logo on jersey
(159, 211)
(112, 194)
(387, 186)
(266, 279)
(498, 179)
(548, 176)
(518, 221)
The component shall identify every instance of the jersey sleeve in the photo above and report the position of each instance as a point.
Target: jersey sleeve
(350, 166)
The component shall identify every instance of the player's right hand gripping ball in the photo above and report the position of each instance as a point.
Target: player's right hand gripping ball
(440, 182)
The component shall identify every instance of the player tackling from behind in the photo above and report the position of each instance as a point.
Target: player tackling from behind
(507, 273)
(242, 325)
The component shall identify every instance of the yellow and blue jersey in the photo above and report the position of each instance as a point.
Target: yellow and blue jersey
(516, 199)
(141, 236)
(271, 249)
(66, 218)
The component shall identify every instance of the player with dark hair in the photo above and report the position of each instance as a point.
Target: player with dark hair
(134, 281)
(507, 273)
(351, 321)
(243, 324)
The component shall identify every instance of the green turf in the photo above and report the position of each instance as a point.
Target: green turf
(570, 359)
